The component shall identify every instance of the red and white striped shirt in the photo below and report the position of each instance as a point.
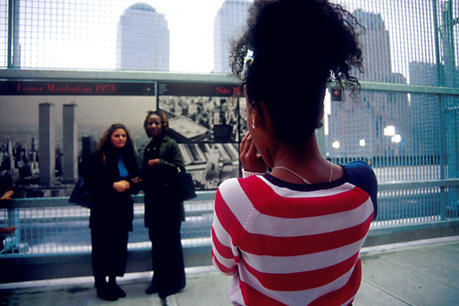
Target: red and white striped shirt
(288, 244)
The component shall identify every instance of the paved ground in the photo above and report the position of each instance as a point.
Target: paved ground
(422, 273)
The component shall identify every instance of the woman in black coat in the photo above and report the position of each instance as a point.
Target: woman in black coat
(163, 207)
(111, 174)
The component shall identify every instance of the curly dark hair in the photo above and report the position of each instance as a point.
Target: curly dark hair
(105, 143)
(286, 56)
(164, 122)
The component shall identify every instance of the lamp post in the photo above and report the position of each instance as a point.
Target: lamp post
(336, 145)
(389, 130)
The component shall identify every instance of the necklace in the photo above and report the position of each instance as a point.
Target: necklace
(302, 178)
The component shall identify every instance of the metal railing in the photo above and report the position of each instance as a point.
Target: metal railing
(48, 226)
(415, 186)
(52, 225)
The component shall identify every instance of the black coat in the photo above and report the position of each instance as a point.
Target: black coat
(160, 182)
(163, 214)
(110, 208)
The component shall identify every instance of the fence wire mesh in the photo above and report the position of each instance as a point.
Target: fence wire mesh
(407, 136)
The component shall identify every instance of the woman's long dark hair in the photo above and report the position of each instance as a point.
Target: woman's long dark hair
(106, 145)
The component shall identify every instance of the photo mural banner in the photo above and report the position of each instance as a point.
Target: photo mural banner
(76, 88)
(204, 119)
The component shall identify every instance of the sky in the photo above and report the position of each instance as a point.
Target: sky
(193, 24)
(191, 29)
(82, 33)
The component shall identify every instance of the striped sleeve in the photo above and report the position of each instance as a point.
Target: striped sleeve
(226, 227)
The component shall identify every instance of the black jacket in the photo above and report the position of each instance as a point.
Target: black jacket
(160, 181)
(109, 207)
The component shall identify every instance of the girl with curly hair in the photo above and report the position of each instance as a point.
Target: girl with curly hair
(291, 230)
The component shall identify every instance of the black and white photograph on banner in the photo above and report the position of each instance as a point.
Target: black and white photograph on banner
(206, 122)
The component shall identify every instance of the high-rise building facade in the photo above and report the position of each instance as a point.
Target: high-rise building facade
(426, 110)
(47, 144)
(371, 123)
(228, 24)
(70, 143)
(143, 39)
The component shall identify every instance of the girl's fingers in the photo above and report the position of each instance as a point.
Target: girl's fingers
(252, 150)
(245, 144)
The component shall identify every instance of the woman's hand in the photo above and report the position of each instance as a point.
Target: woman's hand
(250, 159)
(153, 162)
(136, 180)
(121, 186)
(7, 195)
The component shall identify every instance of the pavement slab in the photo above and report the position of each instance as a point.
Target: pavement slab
(421, 273)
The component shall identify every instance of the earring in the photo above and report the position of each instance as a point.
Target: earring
(253, 126)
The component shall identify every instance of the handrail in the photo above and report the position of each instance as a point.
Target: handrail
(44, 222)
(63, 201)
(209, 195)
(212, 78)
(399, 185)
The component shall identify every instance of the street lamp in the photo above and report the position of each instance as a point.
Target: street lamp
(396, 138)
(389, 130)
(362, 142)
(336, 144)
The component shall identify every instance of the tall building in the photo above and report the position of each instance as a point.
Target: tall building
(143, 39)
(88, 144)
(47, 144)
(70, 143)
(9, 151)
(228, 24)
(426, 109)
(375, 43)
(371, 123)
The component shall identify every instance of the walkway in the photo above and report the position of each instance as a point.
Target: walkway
(421, 273)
